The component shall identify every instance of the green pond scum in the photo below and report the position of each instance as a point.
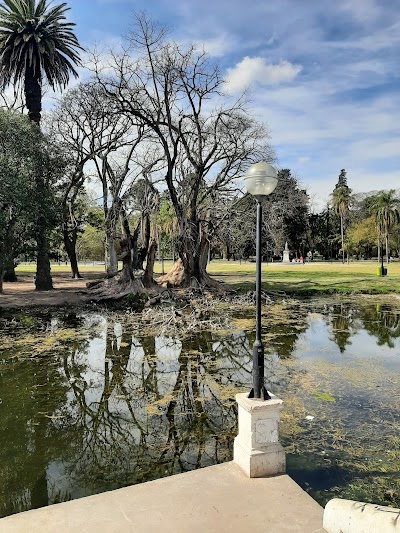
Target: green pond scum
(96, 400)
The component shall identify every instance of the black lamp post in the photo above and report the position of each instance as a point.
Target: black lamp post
(260, 180)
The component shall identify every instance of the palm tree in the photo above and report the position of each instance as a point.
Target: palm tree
(341, 203)
(385, 207)
(36, 44)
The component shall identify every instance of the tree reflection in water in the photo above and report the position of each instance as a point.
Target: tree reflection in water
(381, 322)
(109, 408)
(341, 319)
(157, 406)
(346, 319)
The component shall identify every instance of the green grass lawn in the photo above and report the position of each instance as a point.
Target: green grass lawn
(55, 268)
(311, 278)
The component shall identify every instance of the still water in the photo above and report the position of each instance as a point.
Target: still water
(99, 401)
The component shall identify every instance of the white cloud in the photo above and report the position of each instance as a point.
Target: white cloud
(381, 39)
(361, 10)
(343, 111)
(371, 149)
(216, 46)
(257, 70)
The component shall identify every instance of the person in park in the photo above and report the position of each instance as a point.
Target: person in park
(37, 45)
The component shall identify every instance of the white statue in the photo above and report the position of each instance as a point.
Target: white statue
(286, 253)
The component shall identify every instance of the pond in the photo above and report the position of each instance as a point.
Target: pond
(101, 400)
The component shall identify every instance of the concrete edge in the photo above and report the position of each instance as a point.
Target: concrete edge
(348, 516)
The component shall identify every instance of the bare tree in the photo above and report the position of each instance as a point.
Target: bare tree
(102, 141)
(141, 198)
(207, 140)
(11, 101)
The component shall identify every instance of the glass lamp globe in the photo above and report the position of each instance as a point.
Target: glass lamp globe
(261, 179)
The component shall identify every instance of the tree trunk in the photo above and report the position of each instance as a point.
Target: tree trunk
(141, 254)
(127, 271)
(226, 254)
(9, 271)
(7, 254)
(148, 278)
(194, 260)
(1, 273)
(192, 247)
(379, 247)
(204, 253)
(126, 248)
(173, 249)
(33, 100)
(43, 281)
(70, 247)
(134, 245)
(188, 242)
(74, 265)
(33, 93)
(342, 234)
(387, 247)
(111, 255)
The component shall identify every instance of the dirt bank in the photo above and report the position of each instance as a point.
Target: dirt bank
(67, 292)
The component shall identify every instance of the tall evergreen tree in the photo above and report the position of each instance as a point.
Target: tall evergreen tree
(341, 202)
(342, 181)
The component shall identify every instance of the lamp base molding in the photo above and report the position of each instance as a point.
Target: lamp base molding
(257, 449)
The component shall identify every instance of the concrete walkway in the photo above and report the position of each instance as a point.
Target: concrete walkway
(215, 499)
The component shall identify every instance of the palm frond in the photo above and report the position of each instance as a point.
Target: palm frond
(35, 35)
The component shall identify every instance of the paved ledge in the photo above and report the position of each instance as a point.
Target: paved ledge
(219, 499)
(347, 516)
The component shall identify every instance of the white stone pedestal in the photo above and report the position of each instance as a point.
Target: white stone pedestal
(286, 258)
(286, 253)
(257, 449)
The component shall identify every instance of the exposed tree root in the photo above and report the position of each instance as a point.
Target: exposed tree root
(176, 278)
(116, 288)
(140, 282)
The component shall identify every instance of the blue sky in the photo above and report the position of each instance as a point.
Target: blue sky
(324, 75)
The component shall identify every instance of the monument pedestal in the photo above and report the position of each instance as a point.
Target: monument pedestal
(257, 449)
(286, 253)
